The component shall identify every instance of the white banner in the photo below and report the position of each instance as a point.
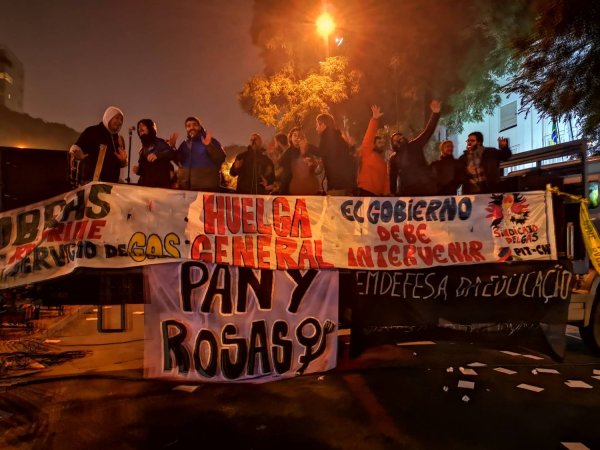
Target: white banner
(113, 225)
(221, 323)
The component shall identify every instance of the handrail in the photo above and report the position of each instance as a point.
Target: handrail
(577, 147)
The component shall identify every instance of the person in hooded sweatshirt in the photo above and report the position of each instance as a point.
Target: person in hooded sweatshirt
(87, 148)
(154, 164)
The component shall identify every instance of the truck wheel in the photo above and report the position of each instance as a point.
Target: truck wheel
(591, 333)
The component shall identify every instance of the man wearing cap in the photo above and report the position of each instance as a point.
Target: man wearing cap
(86, 150)
(199, 157)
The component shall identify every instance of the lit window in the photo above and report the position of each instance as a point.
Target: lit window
(508, 116)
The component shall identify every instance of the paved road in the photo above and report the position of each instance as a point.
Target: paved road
(391, 397)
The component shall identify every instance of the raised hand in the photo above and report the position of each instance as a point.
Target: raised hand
(208, 138)
(151, 157)
(376, 110)
(172, 141)
(502, 142)
(436, 106)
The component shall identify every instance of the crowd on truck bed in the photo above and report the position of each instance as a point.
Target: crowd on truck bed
(292, 166)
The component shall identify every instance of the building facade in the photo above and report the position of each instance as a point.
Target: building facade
(12, 80)
(524, 131)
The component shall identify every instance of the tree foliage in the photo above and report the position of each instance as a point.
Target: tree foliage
(285, 99)
(406, 52)
(559, 73)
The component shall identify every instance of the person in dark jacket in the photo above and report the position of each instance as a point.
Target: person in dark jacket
(199, 158)
(447, 171)
(481, 165)
(85, 152)
(338, 161)
(254, 169)
(154, 164)
(409, 172)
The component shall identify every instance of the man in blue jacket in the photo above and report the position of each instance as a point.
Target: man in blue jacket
(199, 157)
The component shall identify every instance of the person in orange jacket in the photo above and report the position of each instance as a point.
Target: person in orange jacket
(373, 179)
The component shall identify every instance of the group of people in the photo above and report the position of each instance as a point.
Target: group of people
(292, 166)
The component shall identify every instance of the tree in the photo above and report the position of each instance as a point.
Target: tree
(407, 52)
(559, 72)
(285, 99)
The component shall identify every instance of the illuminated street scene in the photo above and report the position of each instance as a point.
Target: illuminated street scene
(332, 225)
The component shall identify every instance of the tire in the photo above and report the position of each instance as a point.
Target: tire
(591, 334)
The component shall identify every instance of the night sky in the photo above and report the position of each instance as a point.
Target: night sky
(160, 59)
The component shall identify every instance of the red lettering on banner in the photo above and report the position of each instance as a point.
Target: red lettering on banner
(201, 249)
(438, 251)
(284, 250)
(79, 233)
(379, 249)
(475, 250)
(301, 220)
(94, 229)
(232, 211)
(214, 216)
(248, 221)
(394, 256)
(262, 253)
(263, 227)
(220, 251)
(243, 251)
(410, 255)
(67, 235)
(281, 222)
(21, 252)
(306, 255)
(54, 234)
(319, 255)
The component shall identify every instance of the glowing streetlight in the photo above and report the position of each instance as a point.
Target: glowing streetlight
(325, 27)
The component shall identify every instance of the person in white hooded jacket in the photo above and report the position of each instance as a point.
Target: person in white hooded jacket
(86, 150)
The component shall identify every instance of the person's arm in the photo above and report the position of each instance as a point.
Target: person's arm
(213, 148)
(368, 143)
(427, 132)
(236, 167)
(164, 151)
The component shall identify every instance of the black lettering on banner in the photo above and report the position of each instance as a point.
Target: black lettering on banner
(27, 227)
(173, 345)
(282, 349)
(77, 206)
(94, 198)
(210, 369)
(189, 281)
(50, 220)
(258, 346)
(318, 339)
(233, 370)
(303, 282)
(39, 258)
(5, 231)
(219, 286)
(263, 289)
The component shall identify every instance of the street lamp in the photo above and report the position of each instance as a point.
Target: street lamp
(325, 26)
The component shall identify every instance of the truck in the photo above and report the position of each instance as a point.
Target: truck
(573, 169)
